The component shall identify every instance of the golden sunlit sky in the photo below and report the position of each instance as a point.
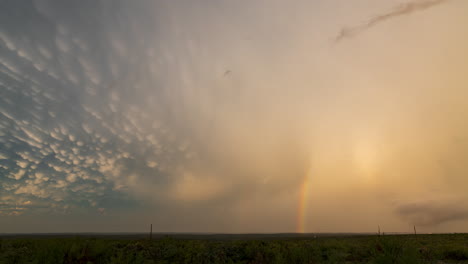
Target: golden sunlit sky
(234, 116)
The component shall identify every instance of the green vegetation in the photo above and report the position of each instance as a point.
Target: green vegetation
(351, 249)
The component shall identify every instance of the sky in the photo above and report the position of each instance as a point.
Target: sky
(233, 116)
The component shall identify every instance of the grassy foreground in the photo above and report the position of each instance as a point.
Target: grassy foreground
(357, 249)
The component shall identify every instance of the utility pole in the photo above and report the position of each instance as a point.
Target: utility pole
(414, 230)
(151, 231)
(379, 230)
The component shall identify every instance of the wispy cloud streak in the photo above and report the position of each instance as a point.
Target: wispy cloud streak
(401, 10)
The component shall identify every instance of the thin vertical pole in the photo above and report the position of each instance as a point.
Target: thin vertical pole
(151, 231)
(414, 230)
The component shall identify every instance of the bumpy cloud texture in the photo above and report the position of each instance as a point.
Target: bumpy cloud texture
(103, 112)
(227, 116)
(75, 126)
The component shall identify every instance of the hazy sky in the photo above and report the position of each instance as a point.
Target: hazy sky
(234, 116)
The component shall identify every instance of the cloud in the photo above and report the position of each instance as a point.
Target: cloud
(19, 174)
(401, 10)
(433, 212)
(202, 188)
(134, 116)
(62, 44)
(9, 44)
(45, 52)
(22, 164)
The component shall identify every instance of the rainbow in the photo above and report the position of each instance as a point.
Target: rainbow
(301, 210)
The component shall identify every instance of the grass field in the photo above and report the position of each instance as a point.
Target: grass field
(450, 248)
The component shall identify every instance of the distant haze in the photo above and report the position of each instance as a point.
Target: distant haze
(233, 116)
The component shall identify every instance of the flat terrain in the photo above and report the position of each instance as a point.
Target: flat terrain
(218, 248)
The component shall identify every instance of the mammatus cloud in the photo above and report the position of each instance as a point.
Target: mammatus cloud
(401, 10)
(61, 150)
(133, 121)
(114, 114)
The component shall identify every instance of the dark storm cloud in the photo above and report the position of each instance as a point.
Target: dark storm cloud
(107, 104)
(116, 113)
(74, 130)
(430, 213)
(401, 10)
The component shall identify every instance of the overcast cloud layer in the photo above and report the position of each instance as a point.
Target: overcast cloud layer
(208, 116)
